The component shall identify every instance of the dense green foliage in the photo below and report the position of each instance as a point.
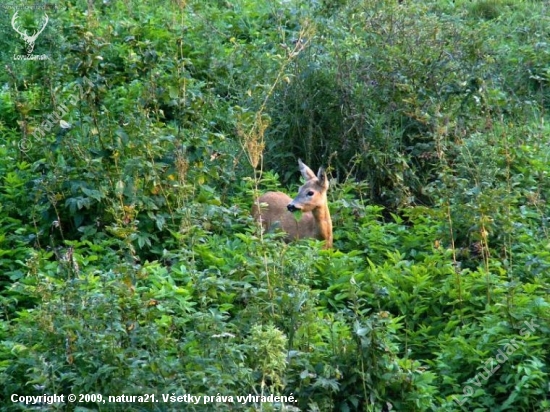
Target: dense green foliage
(130, 264)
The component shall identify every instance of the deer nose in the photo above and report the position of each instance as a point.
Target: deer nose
(291, 208)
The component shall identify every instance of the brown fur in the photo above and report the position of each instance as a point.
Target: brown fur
(272, 209)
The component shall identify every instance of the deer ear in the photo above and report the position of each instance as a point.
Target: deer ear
(322, 177)
(306, 171)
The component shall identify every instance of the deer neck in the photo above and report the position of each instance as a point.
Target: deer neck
(324, 225)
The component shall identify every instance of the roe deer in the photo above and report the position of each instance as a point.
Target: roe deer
(274, 209)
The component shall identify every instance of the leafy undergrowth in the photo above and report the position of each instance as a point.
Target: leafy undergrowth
(130, 264)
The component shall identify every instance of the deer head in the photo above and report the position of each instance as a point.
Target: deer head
(313, 194)
(28, 39)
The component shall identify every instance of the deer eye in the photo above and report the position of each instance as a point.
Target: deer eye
(310, 193)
